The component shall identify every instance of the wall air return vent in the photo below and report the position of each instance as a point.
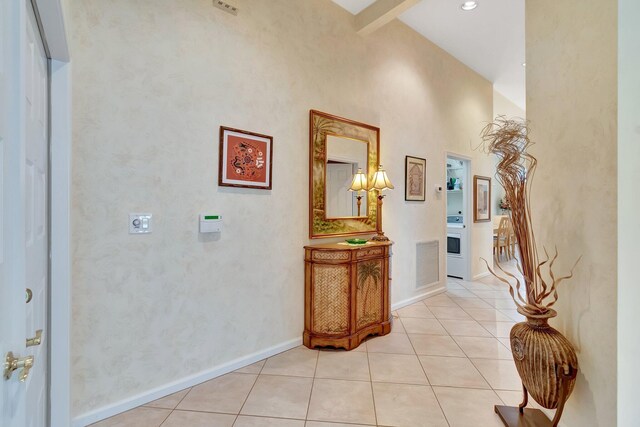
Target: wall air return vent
(427, 263)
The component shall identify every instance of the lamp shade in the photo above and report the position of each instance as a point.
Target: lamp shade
(359, 182)
(381, 180)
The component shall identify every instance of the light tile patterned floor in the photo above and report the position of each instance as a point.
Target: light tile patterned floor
(446, 363)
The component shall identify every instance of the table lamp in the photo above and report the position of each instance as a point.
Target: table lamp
(380, 183)
(358, 184)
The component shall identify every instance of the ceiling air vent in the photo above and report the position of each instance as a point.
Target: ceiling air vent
(226, 7)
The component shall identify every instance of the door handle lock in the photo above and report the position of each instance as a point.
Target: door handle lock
(12, 363)
(37, 340)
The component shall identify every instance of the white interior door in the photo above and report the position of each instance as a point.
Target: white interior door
(36, 216)
(339, 200)
(24, 252)
(12, 307)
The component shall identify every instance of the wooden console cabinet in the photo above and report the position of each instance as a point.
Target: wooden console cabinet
(346, 294)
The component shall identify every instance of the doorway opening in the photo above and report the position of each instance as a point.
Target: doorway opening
(457, 216)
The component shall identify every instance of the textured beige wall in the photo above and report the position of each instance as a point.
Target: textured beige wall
(571, 103)
(152, 82)
(504, 107)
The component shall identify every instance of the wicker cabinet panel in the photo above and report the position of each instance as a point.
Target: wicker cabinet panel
(334, 256)
(369, 292)
(346, 294)
(331, 299)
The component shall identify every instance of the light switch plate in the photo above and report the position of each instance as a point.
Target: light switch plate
(140, 223)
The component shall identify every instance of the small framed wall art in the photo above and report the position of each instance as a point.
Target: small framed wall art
(415, 178)
(245, 159)
(481, 198)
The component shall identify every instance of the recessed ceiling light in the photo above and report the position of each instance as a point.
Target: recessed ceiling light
(469, 5)
(524, 64)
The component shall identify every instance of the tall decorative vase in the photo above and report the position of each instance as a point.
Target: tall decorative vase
(546, 361)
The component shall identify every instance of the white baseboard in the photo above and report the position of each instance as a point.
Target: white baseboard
(165, 390)
(481, 275)
(417, 298)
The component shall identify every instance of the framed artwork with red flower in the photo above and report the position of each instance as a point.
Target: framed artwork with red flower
(245, 159)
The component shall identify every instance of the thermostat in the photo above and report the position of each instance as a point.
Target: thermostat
(210, 223)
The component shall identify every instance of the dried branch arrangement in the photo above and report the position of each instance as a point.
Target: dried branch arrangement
(509, 140)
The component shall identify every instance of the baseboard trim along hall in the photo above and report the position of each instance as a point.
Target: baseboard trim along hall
(481, 275)
(158, 392)
(417, 298)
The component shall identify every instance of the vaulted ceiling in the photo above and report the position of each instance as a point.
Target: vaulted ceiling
(488, 39)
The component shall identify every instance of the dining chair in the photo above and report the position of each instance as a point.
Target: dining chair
(512, 240)
(501, 241)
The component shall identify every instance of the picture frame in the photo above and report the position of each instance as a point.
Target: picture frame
(481, 198)
(415, 178)
(245, 159)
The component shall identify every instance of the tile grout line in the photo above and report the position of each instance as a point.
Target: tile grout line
(244, 402)
(177, 404)
(166, 418)
(430, 385)
(248, 394)
(313, 382)
(373, 395)
(246, 415)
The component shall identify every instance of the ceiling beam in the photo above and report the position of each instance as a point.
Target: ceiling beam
(380, 13)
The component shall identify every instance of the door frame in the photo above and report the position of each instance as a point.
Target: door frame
(467, 202)
(52, 21)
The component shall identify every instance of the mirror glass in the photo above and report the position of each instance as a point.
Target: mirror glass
(344, 157)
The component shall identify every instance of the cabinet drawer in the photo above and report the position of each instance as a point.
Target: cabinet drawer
(331, 255)
(364, 253)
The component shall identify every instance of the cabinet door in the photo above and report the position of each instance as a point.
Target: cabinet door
(330, 299)
(369, 290)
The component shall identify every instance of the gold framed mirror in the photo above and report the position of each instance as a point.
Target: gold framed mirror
(342, 153)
